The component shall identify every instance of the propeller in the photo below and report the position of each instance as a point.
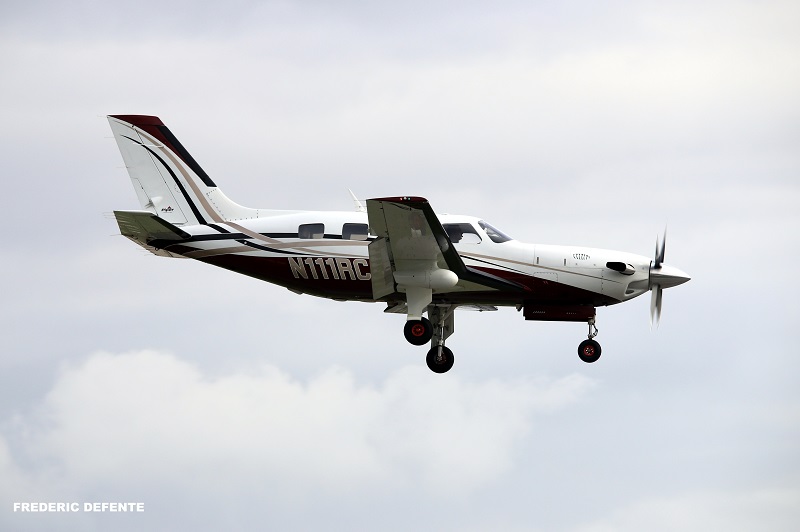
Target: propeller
(656, 288)
(661, 276)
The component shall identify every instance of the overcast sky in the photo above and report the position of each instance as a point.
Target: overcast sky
(223, 402)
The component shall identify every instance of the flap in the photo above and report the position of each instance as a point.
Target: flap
(411, 239)
(415, 238)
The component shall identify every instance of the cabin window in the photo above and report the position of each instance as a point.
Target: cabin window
(462, 233)
(493, 233)
(355, 231)
(309, 231)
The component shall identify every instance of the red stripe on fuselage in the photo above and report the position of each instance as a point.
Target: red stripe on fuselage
(277, 270)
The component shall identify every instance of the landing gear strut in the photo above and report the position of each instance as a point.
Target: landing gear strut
(589, 350)
(419, 330)
(435, 330)
(440, 358)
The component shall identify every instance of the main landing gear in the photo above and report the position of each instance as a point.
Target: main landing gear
(418, 332)
(589, 350)
(434, 330)
(440, 359)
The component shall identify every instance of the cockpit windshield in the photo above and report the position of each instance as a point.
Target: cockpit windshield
(493, 233)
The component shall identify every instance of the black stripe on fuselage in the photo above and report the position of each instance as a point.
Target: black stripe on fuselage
(165, 244)
(225, 236)
(235, 236)
(272, 250)
(297, 235)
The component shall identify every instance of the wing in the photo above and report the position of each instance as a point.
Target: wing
(411, 240)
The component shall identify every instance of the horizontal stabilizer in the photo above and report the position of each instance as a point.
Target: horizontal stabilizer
(144, 227)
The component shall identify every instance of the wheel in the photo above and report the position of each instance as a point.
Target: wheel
(589, 351)
(418, 332)
(440, 362)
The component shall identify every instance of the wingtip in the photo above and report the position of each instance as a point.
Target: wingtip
(402, 199)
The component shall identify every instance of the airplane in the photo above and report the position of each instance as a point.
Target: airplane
(394, 250)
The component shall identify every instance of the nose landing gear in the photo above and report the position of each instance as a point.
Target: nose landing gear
(589, 350)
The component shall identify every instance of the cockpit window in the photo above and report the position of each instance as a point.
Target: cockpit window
(462, 233)
(493, 233)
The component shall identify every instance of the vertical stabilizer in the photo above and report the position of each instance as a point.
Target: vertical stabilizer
(167, 180)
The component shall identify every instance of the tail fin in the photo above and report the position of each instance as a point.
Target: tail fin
(167, 180)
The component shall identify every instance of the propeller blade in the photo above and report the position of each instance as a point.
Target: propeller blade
(660, 247)
(655, 304)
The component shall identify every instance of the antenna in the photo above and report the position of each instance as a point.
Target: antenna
(359, 206)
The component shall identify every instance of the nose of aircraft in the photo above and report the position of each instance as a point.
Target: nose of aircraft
(667, 276)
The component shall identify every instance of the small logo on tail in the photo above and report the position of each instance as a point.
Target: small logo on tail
(167, 209)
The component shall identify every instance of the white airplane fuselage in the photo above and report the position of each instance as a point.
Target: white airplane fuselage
(396, 250)
(329, 266)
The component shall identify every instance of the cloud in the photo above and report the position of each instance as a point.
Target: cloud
(560, 124)
(775, 510)
(150, 422)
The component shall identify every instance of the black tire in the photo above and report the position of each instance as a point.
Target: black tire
(589, 351)
(440, 363)
(418, 332)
